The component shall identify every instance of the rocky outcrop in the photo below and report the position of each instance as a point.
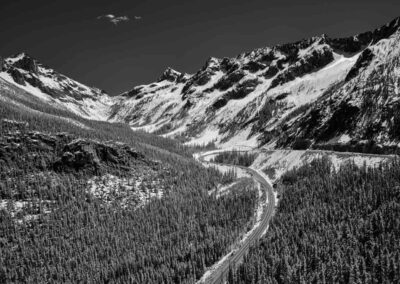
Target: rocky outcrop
(134, 93)
(362, 62)
(18, 77)
(64, 152)
(241, 91)
(229, 80)
(254, 66)
(26, 63)
(2, 67)
(271, 72)
(89, 155)
(308, 64)
(229, 65)
(357, 43)
(170, 75)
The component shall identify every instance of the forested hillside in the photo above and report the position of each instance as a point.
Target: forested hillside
(59, 223)
(235, 158)
(331, 227)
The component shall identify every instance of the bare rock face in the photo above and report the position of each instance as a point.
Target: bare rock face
(2, 67)
(364, 59)
(134, 93)
(64, 153)
(360, 41)
(271, 72)
(93, 156)
(229, 65)
(254, 66)
(27, 63)
(17, 76)
(170, 75)
(229, 80)
(241, 91)
(304, 66)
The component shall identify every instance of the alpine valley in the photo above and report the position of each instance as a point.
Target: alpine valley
(277, 166)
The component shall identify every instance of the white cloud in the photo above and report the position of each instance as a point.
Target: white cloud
(114, 19)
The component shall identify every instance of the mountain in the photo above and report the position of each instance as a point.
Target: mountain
(320, 92)
(54, 88)
(362, 113)
(269, 95)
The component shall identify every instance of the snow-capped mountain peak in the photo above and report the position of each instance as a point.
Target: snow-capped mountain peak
(52, 87)
(173, 76)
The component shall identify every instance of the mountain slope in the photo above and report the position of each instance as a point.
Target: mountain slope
(55, 88)
(363, 113)
(102, 189)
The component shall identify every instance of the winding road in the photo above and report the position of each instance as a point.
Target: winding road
(220, 273)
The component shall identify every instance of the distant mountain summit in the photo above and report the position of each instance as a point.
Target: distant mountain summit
(259, 97)
(319, 92)
(53, 87)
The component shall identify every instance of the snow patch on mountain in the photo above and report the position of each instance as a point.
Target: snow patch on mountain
(27, 88)
(277, 162)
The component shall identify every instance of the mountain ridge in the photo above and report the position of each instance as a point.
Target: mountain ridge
(248, 99)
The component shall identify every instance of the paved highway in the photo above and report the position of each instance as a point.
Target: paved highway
(220, 274)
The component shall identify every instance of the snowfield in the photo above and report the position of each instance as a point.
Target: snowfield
(276, 162)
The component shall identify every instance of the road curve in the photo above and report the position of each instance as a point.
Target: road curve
(220, 274)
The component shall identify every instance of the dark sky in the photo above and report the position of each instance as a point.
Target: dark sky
(182, 34)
